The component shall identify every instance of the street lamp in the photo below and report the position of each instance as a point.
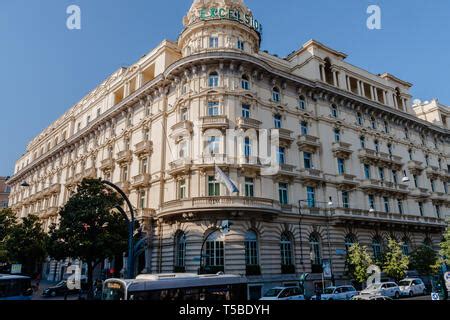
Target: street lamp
(131, 222)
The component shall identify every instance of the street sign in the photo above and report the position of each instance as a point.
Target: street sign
(196, 259)
(435, 296)
(16, 269)
(341, 252)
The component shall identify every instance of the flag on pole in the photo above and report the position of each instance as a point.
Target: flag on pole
(223, 178)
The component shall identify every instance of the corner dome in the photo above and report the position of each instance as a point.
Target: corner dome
(230, 23)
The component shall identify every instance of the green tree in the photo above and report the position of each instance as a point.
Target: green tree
(445, 248)
(358, 261)
(395, 262)
(7, 221)
(89, 229)
(424, 260)
(25, 243)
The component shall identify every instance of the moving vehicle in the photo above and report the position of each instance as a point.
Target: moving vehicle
(337, 293)
(13, 287)
(177, 287)
(367, 297)
(387, 289)
(412, 287)
(61, 289)
(283, 293)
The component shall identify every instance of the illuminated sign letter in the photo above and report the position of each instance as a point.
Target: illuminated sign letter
(202, 14)
(222, 13)
(213, 13)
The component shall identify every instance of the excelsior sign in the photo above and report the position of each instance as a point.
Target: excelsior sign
(231, 14)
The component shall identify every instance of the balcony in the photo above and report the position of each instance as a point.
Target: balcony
(285, 136)
(124, 157)
(143, 148)
(308, 143)
(214, 122)
(346, 181)
(370, 156)
(185, 126)
(220, 204)
(420, 193)
(415, 167)
(249, 163)
(342, 150)
(372, 185)
(55, 189)
(432, 172)
(211, 160)
(248, 123)
(341, 216)
(141, 180)
(286, 170)
(145, 213)
(125, 186)
(107, 164)
(180, 167)
(438, 197)
(311, 176)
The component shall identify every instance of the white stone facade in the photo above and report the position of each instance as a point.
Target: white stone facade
(141, 129)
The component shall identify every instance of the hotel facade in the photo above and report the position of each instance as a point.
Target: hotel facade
(356, 160)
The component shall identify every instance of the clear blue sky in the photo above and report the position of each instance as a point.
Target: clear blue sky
(46, 68)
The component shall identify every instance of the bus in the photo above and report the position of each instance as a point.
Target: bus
(177, 287)
(14, 287)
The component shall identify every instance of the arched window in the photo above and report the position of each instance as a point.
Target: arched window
(180, 251)
(286, 249)
(428, 242)
(373, 123)
(362, 140)
(406, 246)
(251, 248)
(337, 135)
(376, 143)
(376, 247)
(276, 94)
(302, 103)
(315, 252)
(349, 241)
(245, 82)
(213, 80)
(214, 255)
(359, 119)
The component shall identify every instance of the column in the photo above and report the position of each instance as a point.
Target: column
(360, 88)
(335, 78)
(347, 79)
(322, 73)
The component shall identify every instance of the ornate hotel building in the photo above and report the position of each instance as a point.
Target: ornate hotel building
(358, 162)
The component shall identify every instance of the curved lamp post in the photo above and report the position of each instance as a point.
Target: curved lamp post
(131, 222)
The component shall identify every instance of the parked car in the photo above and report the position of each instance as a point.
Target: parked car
(387, 289)
(337, 293)
(61, 289)
(283, 293)
(368, 297)
(412, 287)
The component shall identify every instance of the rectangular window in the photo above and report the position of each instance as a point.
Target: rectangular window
(249, 187)
(247, 147)
(214, 145)
(394, 177)
(142, 199)
(438, 211)
(337, 135)
(182, 189)
(281, 155)
(213, 42)
(432, 184)
(144, 165)
(240, 45)
(416, 181)
(283, 193)
(372, 202)
(341, 166)
(420, 208)
(345, 199)
(386, 204)
(400, 206)
(213, 108)
(245, 111)
(277, 121)
(367, 171)
(304, 128)
(307, 160)
(311, 197)
(213, 187)
(381, 173)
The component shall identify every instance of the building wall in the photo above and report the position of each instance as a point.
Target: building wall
(141, 119)
(4, 192)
